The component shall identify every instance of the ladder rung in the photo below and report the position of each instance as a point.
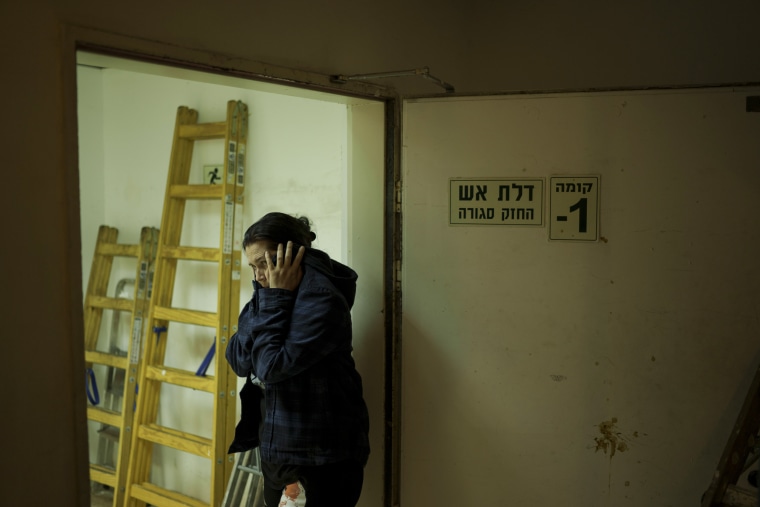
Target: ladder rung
(105, 416)
(190, 253)
(111, 433)
(118, 250)
(153, 495)
(185, 316)
(110, 303)
(196, 191)
(249, 470)
(199, 131)
(103, 475)
(176, 439)
(739, 497)
(181, 378)
(96, 357)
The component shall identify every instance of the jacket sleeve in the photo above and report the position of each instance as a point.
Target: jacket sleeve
(238, 351)
(296, 330)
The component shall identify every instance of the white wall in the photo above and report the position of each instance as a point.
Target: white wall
(517, 350)
(91, 173)
(297, 162)
(365, 253)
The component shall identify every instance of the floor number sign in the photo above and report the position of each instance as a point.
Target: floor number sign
(574, 208)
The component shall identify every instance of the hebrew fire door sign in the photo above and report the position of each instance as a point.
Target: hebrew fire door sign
(574, 208)
(509, 201)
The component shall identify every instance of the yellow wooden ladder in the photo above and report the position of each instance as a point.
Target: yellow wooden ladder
(741, 450)
(171, 322)
(120, 363)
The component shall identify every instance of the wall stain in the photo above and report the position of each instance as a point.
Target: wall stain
(611, 440)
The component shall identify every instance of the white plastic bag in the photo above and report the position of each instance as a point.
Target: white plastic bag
(294, 495)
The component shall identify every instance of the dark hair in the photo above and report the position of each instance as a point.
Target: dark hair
(277, 228)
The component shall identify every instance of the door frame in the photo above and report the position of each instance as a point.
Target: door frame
(76, 38)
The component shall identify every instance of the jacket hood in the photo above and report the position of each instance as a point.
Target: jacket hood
(341, 276)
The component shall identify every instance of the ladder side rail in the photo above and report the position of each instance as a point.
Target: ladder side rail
(97, 285)
(738, 448)
(142, 294)
(163, 286)
(229, 294)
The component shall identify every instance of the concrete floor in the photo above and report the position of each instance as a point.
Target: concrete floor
(100, 498)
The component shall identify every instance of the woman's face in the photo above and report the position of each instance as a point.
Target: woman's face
(255, 253)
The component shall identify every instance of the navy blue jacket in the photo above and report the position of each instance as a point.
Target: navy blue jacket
(299, 344)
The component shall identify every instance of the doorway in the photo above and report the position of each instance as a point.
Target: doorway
(310, 153)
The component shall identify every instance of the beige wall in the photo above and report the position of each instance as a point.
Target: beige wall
(521, 355)
(538, 47)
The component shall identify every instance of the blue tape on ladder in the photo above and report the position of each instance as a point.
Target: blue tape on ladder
(89, 381)
(158, 330)
(206, 360)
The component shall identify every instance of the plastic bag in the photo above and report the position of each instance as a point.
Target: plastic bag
(294, 495)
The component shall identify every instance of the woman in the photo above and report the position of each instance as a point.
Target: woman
(294, 342)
